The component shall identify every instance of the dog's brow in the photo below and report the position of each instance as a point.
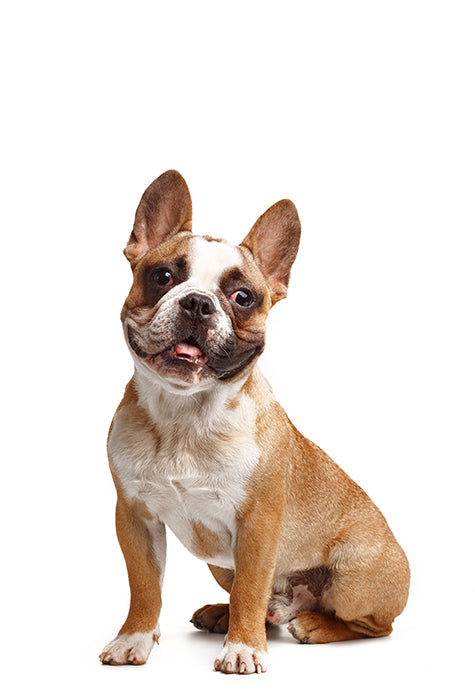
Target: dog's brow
(235, 274)
(231, 278)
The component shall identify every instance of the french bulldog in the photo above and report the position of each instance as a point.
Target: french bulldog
(199, 445)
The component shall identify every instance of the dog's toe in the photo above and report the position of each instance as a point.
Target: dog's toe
(241, 659)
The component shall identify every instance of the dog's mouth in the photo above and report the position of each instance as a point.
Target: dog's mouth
(188, 359)
(187, 351)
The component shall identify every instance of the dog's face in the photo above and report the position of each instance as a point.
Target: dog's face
(196, 311)
(195, 315)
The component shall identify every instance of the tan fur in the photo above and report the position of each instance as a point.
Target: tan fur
(206, 543)
(273, 242)
(130, 396)
(165, 209)
(283, 529)
(318, 628)
(144, 576)
(257, 545)
(170, 249)
(224, 577)
(328, 520)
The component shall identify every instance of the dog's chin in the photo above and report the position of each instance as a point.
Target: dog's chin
(180, 368)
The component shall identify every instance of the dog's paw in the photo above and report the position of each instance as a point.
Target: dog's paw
(320, 628)
(214, 618)
(239, 658)
(129, 649)
(312, 628)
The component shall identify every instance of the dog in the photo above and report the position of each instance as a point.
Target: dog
(200, 445)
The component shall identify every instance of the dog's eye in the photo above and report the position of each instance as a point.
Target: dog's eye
(162, 277)
(243, 297)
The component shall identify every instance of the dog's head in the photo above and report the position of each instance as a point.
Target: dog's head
(195, 315)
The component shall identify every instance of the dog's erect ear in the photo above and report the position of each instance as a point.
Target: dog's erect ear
(165, 209)
(274, 242)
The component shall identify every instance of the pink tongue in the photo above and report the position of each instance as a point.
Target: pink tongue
(189, 350)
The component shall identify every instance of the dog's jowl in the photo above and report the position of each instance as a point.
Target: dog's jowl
(199, 445)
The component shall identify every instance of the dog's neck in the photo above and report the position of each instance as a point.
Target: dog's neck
(200, 412)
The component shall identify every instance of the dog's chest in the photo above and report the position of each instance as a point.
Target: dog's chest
(192, 480)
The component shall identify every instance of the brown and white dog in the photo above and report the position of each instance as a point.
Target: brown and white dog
(199, 444)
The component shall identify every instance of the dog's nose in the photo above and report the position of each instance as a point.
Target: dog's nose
(198, 306)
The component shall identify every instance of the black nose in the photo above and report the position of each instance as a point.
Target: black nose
(198, 306)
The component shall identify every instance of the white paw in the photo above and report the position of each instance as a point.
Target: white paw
(239, 658)
(129, 649)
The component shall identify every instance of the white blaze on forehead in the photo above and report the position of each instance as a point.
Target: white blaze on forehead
(209, 259)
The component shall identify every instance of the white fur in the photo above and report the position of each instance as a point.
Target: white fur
(239, 658)
(197, 469)
(282, 610)
(210, 259)
(129, 648)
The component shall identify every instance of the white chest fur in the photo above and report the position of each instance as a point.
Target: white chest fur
(188, 460)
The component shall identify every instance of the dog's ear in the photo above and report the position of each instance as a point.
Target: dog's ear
(165, 209)
(274, 241)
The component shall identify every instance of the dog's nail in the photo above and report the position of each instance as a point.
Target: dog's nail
(242, 668)
(229, 667)
(258, 668)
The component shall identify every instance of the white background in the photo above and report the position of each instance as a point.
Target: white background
(363, 113)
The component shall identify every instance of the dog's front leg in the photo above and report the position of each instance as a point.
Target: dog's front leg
(143, 544)
(245, 649)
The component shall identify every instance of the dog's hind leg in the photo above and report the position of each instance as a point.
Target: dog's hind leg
(368, 590)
